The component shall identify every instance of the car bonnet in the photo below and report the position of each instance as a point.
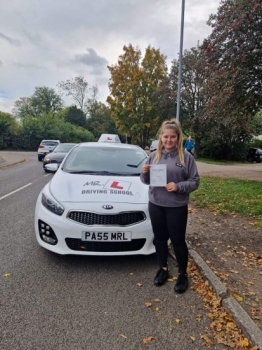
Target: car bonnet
(67, 187)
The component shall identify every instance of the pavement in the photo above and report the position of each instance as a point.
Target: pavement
(10, 158)
(242, 319)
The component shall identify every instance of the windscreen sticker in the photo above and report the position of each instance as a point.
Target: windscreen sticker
(110, 187)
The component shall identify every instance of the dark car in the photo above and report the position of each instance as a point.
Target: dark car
(58, 154)
(254, 155)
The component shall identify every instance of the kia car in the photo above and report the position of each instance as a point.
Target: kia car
(45, 147)
(58, 154)
(95, 204)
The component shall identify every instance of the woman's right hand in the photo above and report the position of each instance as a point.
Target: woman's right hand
(145, 168)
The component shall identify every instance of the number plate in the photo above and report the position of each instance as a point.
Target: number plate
(115, 236)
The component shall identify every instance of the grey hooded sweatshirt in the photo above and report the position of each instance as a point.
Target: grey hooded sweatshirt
(184, 176)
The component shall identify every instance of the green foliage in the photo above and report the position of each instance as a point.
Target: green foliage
(100, 120)
(256, 143)
(75, 116)
(44, 100)
(47, 127)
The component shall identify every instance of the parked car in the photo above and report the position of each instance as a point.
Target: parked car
(254, 155)
(95, 204)
(153, 145)
(109, 138)
(45, 147)
(58, 154)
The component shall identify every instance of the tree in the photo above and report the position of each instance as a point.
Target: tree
(100, 120)
(234, 87)
(7, 126)
(75, 116)
(133, 82)
(44, 100)
(77, 88)
(193, 98)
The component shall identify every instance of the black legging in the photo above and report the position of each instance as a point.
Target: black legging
(170, 222)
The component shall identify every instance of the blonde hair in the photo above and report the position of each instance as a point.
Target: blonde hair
(174, 125)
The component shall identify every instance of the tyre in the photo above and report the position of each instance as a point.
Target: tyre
(40, 158)
(250, 159)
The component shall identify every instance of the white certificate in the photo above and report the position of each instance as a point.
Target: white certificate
(158, 176)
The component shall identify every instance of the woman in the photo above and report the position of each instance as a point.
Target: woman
(168, 205)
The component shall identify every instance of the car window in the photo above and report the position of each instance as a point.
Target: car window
(98, 159)
(63, 148)
(49, 143)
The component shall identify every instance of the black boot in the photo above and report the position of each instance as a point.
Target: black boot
(161, 277)
(181, 283)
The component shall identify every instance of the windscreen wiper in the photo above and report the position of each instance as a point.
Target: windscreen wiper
(135, 166)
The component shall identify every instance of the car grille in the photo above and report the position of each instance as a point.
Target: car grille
(121, 219)
(105, 247)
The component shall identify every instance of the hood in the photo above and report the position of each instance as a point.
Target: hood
(93, 188)
(56, 155)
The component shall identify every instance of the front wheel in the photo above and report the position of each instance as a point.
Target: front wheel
(40, 159)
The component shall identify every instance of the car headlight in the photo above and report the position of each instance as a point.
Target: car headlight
(47, 160)
(51, 204)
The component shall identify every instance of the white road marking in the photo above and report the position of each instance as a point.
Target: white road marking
(19, 189)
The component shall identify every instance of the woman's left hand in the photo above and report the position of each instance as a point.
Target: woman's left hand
(171, 187)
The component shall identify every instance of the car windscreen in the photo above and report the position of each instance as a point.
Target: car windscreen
(105, 160)
(63, 148)
(49, 143)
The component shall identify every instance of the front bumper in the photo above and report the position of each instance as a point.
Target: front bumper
(69, 233)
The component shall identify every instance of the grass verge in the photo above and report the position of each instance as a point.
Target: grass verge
(230, 196)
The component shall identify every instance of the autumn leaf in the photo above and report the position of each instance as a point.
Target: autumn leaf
(193, 338)
(148, 304)
(157, 309)
(139, 284)
(177, 320)
(238, 297)
(157, 300)
(148, 340)
(131, 273)
(123, 336)
(6, 275)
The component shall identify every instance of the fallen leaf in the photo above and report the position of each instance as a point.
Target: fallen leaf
(131, 273)
(177, 320)
(157, 300)
(157, 309)
(139, 284)
(193, 338)
(238, 297)
(6, 275)
(148, 340)
(148, 304)
(123, 336)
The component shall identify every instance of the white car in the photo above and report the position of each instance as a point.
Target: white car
(45, 147)
(153, 145)
(95, 204)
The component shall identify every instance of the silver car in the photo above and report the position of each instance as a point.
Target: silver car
(45, 147)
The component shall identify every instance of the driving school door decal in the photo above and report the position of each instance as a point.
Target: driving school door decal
(117, 185)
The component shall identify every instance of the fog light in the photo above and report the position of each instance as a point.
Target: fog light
(46, 233)
(49, 239)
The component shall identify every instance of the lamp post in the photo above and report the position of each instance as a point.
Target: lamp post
(180, 60)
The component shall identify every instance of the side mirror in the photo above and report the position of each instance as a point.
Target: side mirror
(52, 167)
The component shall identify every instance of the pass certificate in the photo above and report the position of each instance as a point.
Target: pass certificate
(158, 176)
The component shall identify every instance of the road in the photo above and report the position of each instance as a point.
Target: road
(69, 302)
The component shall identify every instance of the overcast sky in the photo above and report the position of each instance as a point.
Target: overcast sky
(46, 41)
